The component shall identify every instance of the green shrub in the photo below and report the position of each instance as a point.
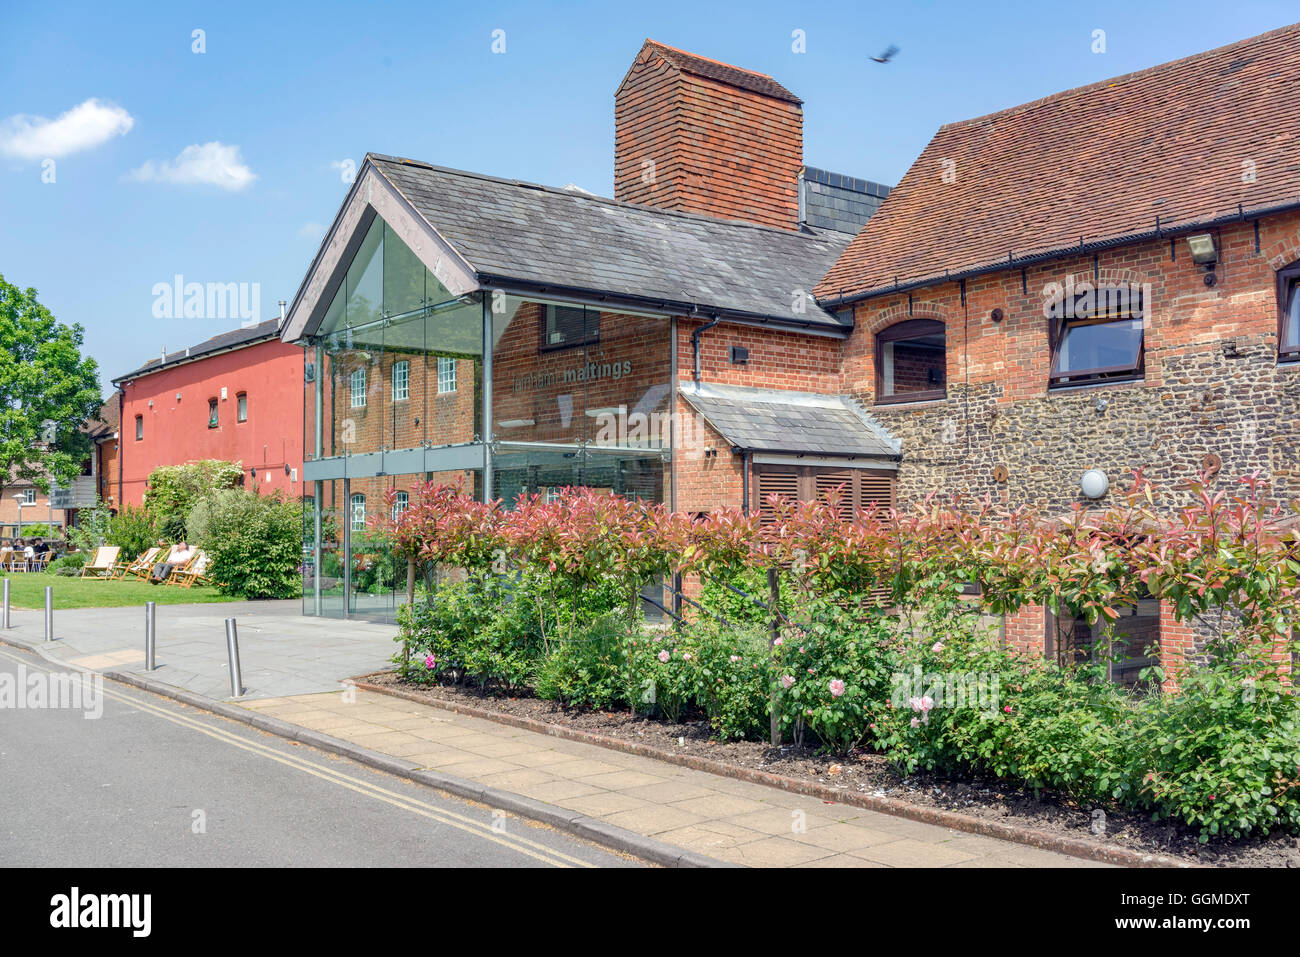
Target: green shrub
(835, 669)
(253, 542)
(1223, 754)
(38, 530)
(133, 531)
(732, 677)
(476, 629)
(174, 491)
(69, 565)
(589, 667)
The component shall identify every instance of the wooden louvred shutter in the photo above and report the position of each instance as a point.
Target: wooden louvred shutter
(768, 482)
(826, 480)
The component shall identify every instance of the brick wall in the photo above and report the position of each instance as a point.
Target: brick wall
(714, 148)
(1194, 399)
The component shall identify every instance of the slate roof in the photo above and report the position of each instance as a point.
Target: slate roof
(1099, 162)
(835, 201)
(270, 329)
(512, 231)
(697, 65)
(772, 420)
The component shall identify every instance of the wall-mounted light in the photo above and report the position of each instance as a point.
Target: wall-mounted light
(1093, 483)
(253, 472)
(1202, 249)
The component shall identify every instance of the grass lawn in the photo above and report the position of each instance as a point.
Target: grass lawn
(27, 590)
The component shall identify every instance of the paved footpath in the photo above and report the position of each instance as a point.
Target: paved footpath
(729, 820)
(291, 663)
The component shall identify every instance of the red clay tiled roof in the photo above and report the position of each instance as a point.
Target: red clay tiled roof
(722, 72)
(1099, 162)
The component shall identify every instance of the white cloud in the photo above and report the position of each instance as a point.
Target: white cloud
(83, 127)
(214, 164)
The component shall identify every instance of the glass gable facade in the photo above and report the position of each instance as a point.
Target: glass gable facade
(480, 390)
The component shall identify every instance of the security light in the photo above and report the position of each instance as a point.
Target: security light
(1094, 483)
(1202, 249)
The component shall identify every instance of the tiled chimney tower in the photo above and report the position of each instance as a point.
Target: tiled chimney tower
(697, 135)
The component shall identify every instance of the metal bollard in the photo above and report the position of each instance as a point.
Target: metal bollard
(4, 616)
(49, 612)
(149, 635)
(232, 651)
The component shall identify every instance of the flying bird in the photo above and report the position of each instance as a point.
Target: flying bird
(886, 56)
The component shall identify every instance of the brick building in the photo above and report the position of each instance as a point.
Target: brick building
(734, 323)
(237, 396)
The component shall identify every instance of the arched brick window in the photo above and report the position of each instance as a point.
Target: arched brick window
(911, 361)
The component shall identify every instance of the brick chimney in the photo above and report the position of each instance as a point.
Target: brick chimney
(700, 136)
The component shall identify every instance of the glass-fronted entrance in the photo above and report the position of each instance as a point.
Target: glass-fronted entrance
(505, 394)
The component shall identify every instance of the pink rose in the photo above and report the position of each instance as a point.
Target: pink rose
(735, 658)
(664, 656)
(916, 722)
(1007, 709)
(837, 688)
(778, 642)
(937, 647)
(787, 681)
(687, 656)
(430, 662)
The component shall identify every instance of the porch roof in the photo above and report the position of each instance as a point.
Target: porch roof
(803, 423)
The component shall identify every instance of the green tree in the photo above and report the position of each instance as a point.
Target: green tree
(48, 391)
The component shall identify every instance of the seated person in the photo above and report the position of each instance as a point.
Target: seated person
(178, 558)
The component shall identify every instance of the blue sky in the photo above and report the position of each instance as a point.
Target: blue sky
(286, 91)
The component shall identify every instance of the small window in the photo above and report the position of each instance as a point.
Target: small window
(29, 496)
(446, 374)
(139, 428)
(566, 326)
(358, 512)
(401, 381)
(400, 503)
(357, 387)
(1288, 340)
(912, 362)
(212, 413)
(1101, 343)
(241, 407)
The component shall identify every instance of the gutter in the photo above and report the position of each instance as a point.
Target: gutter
(185, 360)
(1012, 262)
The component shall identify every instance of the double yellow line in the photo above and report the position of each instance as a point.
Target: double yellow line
(520, 845)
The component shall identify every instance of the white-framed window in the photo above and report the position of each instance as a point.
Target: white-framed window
(358, 503)
(401, 501)
(139, 427)
(357, 386)
(401, 381)
(446, 374)
(241, 402)
(29, 496)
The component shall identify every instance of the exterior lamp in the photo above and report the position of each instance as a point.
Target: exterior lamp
(1094, 483)
(1202, 249)
(1204, 254)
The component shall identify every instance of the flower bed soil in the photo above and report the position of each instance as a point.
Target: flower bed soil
(869, 774)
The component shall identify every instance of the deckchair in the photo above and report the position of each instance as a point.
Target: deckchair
(101, 563)
(186, 575)
(139, 568)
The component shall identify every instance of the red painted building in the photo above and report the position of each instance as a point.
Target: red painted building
(237, 397)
